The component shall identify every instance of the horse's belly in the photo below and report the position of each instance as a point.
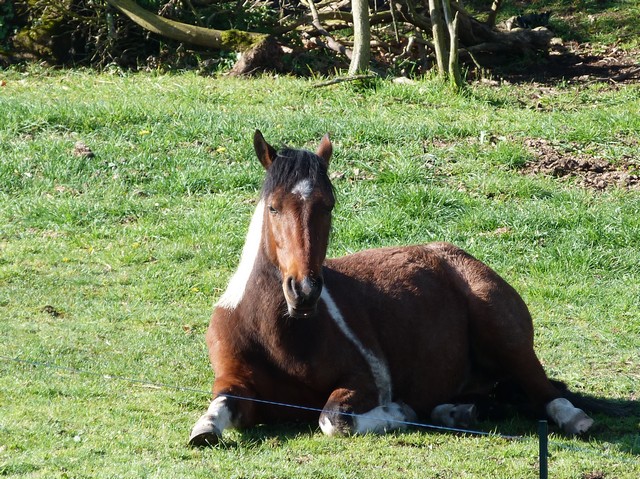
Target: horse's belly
(420, 318)
(430, 357)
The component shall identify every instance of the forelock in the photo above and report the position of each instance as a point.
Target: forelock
(291, 166)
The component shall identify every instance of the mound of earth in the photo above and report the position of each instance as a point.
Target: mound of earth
(569, 160)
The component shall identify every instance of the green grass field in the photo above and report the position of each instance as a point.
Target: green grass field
(110, 265)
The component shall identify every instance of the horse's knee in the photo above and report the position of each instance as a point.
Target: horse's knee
(208, 429)
(379, 420)
(336, 423)
(572, 420)
(455, 415)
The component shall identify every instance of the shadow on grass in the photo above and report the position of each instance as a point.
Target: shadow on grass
(619, 428)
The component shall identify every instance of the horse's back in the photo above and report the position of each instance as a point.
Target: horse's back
(435, 271)
(420, 269)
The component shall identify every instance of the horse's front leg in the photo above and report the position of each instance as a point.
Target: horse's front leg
(227, 410)
(351, 412)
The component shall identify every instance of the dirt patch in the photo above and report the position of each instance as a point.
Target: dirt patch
(594, 475)
(572, 161)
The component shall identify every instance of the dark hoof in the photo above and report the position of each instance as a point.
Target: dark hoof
(204, 435)
(206, 439)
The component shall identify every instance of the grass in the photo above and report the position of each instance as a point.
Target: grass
(110, 264)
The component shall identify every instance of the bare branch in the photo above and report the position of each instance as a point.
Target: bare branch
(495, 6)
(331, 42)
(343, 79)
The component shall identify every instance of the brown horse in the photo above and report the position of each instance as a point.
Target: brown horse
(374, 339)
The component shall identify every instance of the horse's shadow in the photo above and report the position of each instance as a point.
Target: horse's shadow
(622, 430)
(271, 436)
(617, 422)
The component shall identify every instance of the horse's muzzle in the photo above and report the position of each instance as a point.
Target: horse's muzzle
(302, 296)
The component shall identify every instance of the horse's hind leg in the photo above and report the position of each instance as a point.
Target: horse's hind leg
(526, 369)
(503, 344)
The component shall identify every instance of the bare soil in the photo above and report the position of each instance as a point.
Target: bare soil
(581, 64)
(590, 169)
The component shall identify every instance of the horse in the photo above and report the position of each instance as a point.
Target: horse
(374, 339)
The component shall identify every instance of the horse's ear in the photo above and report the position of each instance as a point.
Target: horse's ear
(325, 149)
(266, 153)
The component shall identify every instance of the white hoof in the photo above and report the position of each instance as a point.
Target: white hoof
(572, 420)
(384, 419)
(579, 424)
(208, 430)
(379, 420)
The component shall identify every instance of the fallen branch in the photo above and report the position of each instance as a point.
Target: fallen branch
(230, 40)
(419, 40)
(343, 79)
(624, 76)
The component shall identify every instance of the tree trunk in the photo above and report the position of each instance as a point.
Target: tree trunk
(361, 37)
(455, 77)
(437, 26)
(231, 40)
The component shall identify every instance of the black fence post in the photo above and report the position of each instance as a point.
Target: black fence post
(543, 441)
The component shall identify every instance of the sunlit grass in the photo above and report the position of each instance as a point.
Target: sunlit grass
(110, 264)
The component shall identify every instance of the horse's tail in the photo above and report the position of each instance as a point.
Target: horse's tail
(592, 404)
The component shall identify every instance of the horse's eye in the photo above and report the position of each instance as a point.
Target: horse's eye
(272, 210)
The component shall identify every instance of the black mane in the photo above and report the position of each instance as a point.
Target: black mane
(292, 166)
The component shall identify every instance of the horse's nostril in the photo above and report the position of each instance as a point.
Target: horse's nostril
(291, 286)
(305, 291)
(311, 287)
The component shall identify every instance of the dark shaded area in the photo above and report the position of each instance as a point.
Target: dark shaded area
(576, 63)
(84, 33)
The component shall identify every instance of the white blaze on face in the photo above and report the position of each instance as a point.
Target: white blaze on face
(236, 287)
(303, 188)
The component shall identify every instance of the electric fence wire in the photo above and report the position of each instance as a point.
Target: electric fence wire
(158, 385)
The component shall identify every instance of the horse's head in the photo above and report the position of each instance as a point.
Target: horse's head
(298, 199)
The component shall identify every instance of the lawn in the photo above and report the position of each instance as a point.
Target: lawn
(110, 263)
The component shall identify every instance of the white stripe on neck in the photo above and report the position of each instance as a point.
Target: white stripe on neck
(235, 289)
(378, 365)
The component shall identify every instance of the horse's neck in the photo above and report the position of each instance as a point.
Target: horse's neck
(264, 287)
(263, 319)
